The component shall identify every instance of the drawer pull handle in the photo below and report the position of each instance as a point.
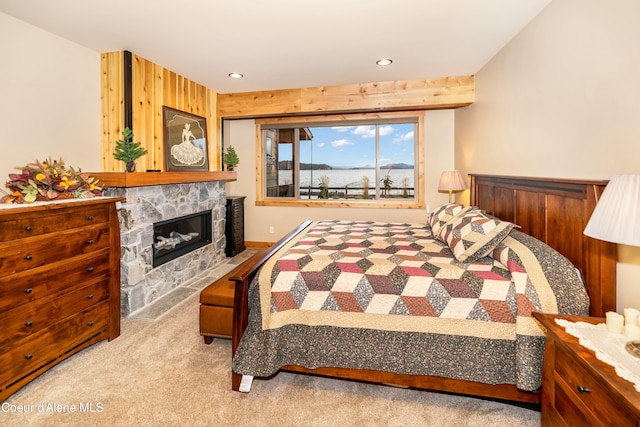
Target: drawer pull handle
(28, 257)
(28, 228)
(583, 389)
(89, 296)
(90, 218)
(90, 269)
(28, 356)
(29, 323)
(90, 323)
(28, 290)
(90, 242)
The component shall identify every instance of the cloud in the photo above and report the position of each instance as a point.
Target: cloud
(370, 131)
(386, 130)
(341, 143)
(365, 131)
(341, 128)
(320, 144)
(404, 137)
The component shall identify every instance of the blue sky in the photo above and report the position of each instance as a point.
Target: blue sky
(354, 146)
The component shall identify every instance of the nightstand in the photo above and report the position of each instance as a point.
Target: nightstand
(577, 388)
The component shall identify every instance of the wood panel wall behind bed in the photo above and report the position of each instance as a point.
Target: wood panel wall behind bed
(555, 211)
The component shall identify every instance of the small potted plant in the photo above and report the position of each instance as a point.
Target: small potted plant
(230, 158)
(128, 151)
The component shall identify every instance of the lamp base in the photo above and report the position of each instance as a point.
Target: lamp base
(633, 348)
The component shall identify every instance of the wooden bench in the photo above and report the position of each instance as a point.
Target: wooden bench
(216, 309)
(216, 305)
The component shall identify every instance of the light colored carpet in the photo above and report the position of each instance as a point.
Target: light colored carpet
(160, 373)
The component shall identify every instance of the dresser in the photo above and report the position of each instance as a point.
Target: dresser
(234, 226)
(577, 388)
(59, 284)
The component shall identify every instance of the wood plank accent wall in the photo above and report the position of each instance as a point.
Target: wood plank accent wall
(438, 93)
(152, 87)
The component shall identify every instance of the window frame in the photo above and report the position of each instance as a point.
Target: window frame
(356, 118)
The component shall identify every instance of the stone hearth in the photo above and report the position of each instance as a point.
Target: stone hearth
(141, 283)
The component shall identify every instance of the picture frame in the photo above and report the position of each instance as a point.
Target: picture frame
(185, 141)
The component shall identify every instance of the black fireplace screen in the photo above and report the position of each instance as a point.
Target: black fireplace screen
(176, 237)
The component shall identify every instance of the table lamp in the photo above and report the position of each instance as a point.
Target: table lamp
(616, 219)
(451, 181)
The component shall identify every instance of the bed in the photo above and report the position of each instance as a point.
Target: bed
(443, 305)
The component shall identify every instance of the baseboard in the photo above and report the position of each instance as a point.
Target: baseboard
(258, 245)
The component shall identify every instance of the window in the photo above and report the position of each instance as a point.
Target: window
(361, 160)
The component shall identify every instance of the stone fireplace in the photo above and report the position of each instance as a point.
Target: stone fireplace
(143, 283)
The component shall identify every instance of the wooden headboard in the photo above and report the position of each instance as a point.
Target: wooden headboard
(555, 211)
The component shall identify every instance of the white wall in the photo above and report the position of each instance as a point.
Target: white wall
(562, 99)
(439, 155)
(50, 99)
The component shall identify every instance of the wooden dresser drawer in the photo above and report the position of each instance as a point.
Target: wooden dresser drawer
(580, 398)
(43, 347)
(28, 319)
(52, 280)
(21, 255)
(29, 225)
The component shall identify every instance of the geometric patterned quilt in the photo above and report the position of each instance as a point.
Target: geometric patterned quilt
(390, 297)
(395, 269)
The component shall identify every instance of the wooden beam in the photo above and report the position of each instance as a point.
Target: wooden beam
(141, 179)
(439, 93)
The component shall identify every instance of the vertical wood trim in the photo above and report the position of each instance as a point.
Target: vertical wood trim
(260, 184)
(128, 82)
(214, 128)
(419, 189)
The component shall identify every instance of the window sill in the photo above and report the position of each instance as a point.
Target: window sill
(380, 204)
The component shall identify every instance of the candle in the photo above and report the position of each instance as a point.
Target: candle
(632, 332)
(615, 322)
(631, 316)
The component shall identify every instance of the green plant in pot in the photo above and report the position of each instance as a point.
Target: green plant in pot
(230, 158)
(128, 151)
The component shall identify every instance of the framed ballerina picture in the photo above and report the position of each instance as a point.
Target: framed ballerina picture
(185, 141)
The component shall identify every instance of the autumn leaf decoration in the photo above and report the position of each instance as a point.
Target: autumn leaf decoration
(49, 180)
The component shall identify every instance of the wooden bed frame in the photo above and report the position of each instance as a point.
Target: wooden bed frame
(555, 211)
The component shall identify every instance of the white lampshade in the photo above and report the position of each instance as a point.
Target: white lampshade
(616, 217)
(451, 181)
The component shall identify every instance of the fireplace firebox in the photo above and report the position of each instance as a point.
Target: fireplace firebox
(178, 236)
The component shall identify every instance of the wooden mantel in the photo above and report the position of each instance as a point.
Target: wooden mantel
(141, 179)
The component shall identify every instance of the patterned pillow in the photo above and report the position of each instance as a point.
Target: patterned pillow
(473, 235)
(445, 213)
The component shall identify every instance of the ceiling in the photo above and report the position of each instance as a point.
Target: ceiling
(279, 44)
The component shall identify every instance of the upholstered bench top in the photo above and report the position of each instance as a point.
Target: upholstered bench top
(219, 293)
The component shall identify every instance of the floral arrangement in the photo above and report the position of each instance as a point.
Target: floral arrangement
(49, 180)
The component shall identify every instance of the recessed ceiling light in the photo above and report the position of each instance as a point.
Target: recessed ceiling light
(236, 75)
(385, 61)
